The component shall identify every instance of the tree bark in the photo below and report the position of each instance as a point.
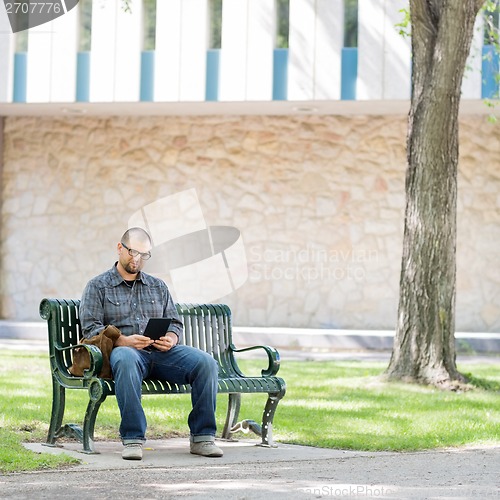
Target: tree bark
(424, 344)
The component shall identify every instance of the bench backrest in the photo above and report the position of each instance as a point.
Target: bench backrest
(206, 326)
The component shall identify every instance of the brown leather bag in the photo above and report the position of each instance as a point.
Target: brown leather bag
(105, 341)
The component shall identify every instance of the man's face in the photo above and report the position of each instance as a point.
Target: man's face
(130, 263)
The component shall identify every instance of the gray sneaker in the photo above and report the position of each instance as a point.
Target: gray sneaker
(206, 449)
(132, 451)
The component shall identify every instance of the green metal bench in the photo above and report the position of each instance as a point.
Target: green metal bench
(207, 327)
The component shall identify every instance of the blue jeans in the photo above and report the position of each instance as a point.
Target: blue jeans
(181, 365)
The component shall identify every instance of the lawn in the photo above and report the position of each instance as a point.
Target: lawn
(332, 404)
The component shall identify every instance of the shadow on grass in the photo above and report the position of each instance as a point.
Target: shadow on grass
(483, 383)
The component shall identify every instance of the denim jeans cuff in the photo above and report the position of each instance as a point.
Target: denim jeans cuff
(133, 441)
(203, 437)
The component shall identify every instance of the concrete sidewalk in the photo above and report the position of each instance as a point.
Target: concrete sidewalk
(36, 345)
(248, 471)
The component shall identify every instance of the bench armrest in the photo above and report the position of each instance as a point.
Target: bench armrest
(272, 355)
(95, 355)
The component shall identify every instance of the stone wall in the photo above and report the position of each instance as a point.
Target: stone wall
(319, 201)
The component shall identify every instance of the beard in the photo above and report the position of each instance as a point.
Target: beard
(132, 268)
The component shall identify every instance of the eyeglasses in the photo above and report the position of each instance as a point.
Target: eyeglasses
(135, 253)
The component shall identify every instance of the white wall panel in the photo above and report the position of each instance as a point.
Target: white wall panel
(168, 50)
(246, 67)
(63, 64)
(181, 50)
(301, 50)
(115, 54)
(102, 55)
(260, 45)
(193, 57)
(371, 21)
(6, 58)
(472, 82)
(128, 52)
(315, 49)
(39, 72)
(329, 41)
(397, 53)
(233, 55)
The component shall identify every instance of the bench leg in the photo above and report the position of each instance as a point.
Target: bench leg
(89, 425)
(233, 411)
(56, 418)
(267, 419)
(97, 396)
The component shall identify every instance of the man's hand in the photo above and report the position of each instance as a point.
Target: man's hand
(167, 342)
(136, 341)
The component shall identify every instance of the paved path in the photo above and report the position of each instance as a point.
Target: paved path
(248, 471)
(36, 345)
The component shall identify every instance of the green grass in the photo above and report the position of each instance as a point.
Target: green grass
(15, 457)
(338, 404)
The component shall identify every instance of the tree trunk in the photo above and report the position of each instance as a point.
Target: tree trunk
(424, 344)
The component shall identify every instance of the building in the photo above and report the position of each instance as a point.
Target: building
(295, 144)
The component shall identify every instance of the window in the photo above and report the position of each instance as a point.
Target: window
(350, 23)
(491, 18)
(21, 41)
(85, 28)
(149, 24)
(215, 24)
(282, 23)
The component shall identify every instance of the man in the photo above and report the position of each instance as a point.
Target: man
(127, 297)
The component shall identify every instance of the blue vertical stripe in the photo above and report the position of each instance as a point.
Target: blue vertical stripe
(349, 73)
(212, 76)
(490, 73)
(83, 77)
(20, 76)
(280, 74)
(147, 75)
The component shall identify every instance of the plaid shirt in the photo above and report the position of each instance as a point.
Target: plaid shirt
(109, 300)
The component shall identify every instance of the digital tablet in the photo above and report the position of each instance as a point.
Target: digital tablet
(156, 328)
